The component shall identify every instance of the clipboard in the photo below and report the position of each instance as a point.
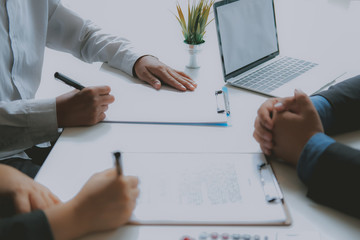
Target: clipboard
(206, 189)
(223, 105)
(137, 102)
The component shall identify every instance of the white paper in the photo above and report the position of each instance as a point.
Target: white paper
(139, 102)
(200, 189)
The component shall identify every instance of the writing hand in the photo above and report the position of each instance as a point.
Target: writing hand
(105, 202)
(152, 71)
(85, 107)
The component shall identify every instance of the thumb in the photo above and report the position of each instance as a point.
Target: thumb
(284, 104)
(302, 100)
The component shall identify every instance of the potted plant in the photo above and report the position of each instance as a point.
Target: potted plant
(194, 29)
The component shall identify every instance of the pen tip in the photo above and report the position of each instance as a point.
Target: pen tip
(117, 154)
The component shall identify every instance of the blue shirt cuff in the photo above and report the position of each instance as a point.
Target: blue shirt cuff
(310, 155)
(325, 111)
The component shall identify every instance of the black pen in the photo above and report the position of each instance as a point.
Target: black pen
(118, 163)
(68, 81)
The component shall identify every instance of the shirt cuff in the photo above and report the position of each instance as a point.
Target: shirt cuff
(325, 111)
(43, 119)
(310, 155)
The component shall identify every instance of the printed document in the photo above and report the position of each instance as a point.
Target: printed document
(201, 188)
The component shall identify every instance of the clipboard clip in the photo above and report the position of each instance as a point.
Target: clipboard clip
(269, 183)
(223, 105)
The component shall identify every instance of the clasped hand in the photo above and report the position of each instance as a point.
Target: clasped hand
(284, 125)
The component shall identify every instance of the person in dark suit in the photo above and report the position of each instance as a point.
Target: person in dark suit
(297, 129)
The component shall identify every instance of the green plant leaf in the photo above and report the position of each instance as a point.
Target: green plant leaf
(198, 14)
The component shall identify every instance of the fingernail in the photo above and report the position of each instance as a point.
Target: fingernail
(298, 91)
(278, 104)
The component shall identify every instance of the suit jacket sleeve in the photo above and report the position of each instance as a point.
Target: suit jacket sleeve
(345, 101)
(336, 174)
(335, 179)
(33, 225)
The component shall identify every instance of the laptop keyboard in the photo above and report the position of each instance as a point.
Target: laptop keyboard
(274, 75)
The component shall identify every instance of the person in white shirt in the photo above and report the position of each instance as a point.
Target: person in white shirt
(26, 28)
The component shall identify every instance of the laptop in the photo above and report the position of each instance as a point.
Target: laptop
(250, 55)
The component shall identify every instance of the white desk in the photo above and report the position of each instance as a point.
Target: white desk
(315, 29)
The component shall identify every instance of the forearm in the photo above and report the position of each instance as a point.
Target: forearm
(325, 111)
(335, 179)
(65, 223)
(25, 123)
(309, 157)
(344, 98)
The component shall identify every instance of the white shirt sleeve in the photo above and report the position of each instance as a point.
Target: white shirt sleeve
(25, 123)
(68, 32)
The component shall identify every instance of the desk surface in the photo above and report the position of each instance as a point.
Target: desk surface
(320, 36)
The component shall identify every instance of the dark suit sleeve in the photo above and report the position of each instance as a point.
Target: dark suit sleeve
(344, 98)
(335, 176)
(33, 225)
(335, 180)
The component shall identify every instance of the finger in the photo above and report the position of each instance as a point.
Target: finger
(101, 117)
(47, 200)
(262, 131)
(264, 148)
(99, 90)
(54, 198)
(266, 151)
(134, 194)
(132, 181)
(169, 80)
(185, 82)
(104, 108)
(37, 201)
(285, 104)
(150, 79)
(265, 143)
(302, 99)
(187, 77)
(47, 195)
(265, 114)
(22, 203)
(106, 99)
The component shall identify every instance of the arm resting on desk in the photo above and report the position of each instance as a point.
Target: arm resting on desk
(344, 98)
(335, 179)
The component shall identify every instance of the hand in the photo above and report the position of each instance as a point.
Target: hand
(264, 121)
(293, 128)
(107, 199)
(27, 195)
(85, 107)
(152, 71)
(105, 202)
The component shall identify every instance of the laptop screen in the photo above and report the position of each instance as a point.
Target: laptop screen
(246, 33)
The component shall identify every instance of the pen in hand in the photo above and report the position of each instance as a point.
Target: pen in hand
(68, 81)
(118, 163)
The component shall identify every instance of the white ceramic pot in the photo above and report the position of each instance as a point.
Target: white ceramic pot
(194, 51)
